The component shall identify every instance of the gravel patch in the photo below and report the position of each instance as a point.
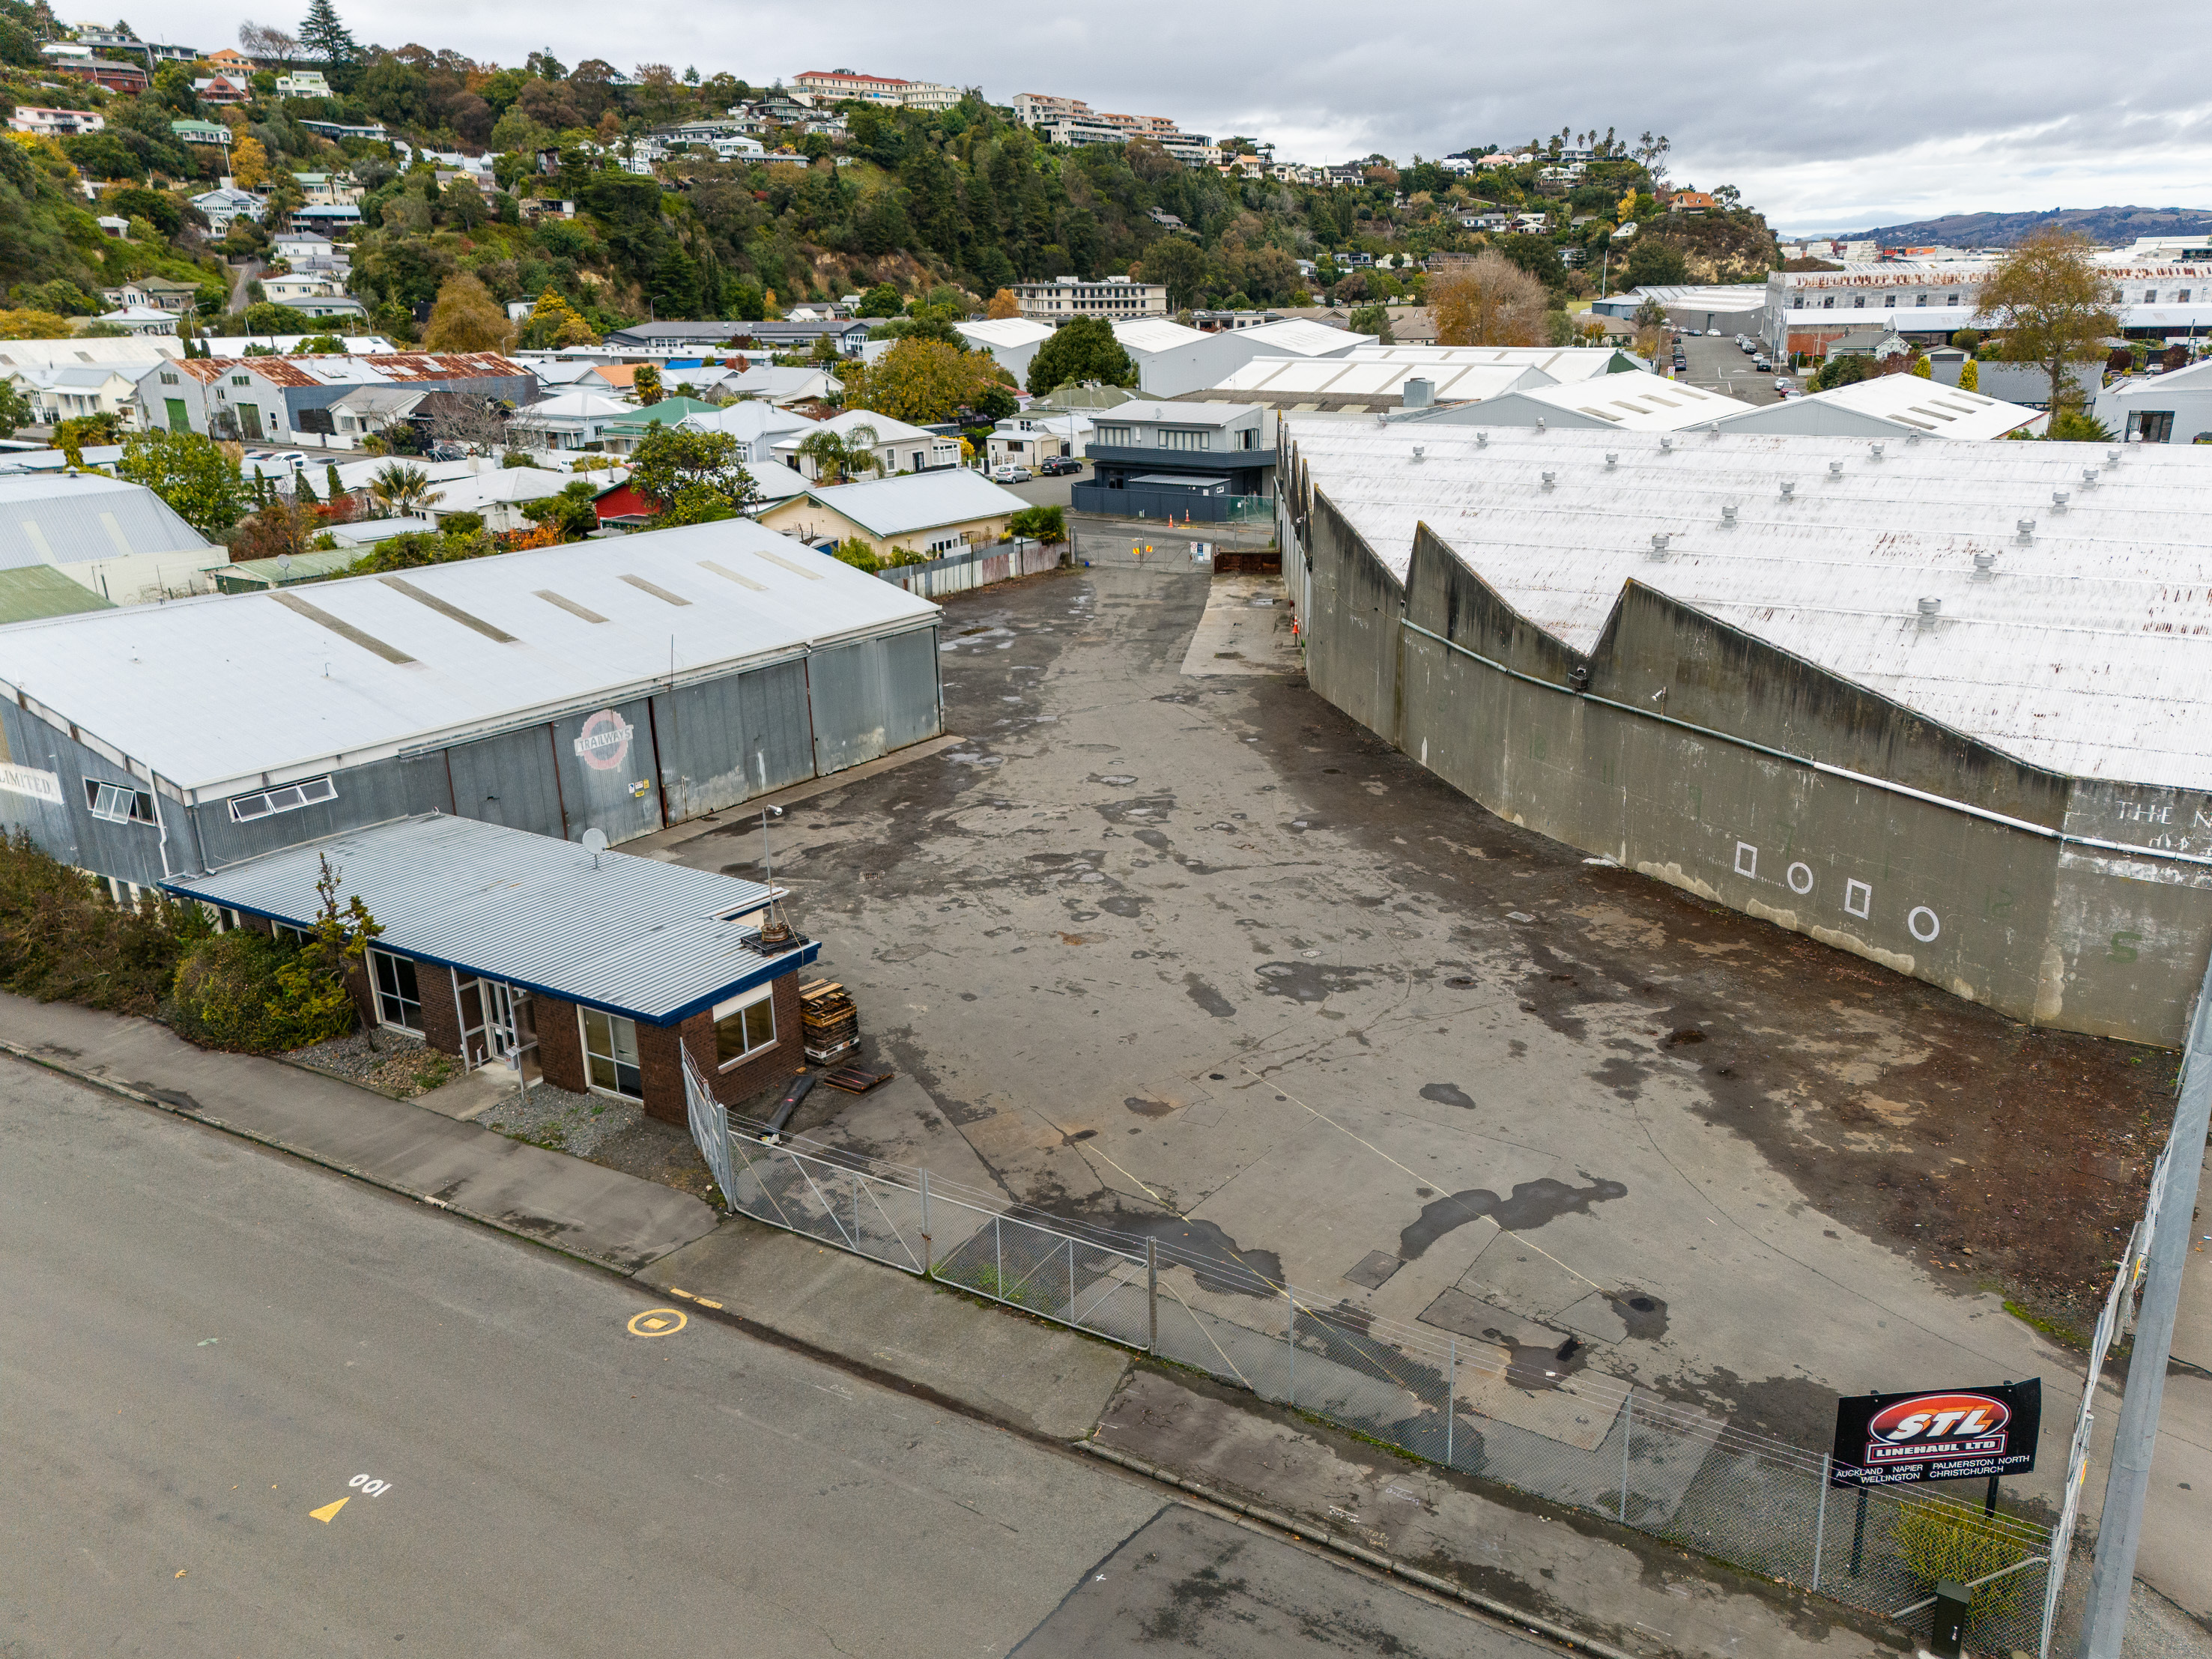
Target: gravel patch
(554, 1118)
(398, 1064)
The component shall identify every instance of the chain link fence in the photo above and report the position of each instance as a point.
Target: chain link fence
(1530, 1418)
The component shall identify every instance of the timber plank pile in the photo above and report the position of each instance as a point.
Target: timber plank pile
(832, 1023)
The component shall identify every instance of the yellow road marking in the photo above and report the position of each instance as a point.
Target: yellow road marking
(327, 1510)
(657, 1321)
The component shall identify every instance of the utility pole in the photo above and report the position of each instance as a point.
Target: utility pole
(2119, 1532)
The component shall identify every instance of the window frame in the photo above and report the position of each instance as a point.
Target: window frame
(611, 1055)
(377, 962)
(739, 1009)
(309, 792)
(119, 803)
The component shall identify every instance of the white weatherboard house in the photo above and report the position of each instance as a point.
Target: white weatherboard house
(896, 447)
(2160, 409)
(933, 512)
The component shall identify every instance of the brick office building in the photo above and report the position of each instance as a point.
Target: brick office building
(502, 947)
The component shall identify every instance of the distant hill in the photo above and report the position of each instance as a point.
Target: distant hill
(2110, 226)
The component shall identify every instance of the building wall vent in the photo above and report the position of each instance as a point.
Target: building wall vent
(1419, 393)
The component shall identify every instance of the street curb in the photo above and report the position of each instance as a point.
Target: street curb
(1359, 1552)
(139, 1097)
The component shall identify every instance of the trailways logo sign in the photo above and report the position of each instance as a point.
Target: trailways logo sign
(605, 742)
(1958, 1434)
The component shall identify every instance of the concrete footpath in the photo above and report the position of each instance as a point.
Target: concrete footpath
(1606, 1590)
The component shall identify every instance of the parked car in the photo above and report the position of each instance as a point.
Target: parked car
(1009, 473)
(274, 458)
(1784, 383)
(1762, 365)
(1059, 466)
(1750, 346)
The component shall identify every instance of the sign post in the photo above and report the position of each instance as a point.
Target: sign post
(1948, 1434)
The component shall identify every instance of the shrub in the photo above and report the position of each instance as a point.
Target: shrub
(244, 991)
(858, 553)
(1040, 524)
(1942, 1540)
(64, 939)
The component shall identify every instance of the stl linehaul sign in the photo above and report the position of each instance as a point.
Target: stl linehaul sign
(1951, 1434)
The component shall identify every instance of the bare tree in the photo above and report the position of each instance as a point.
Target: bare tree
(1487, 301)
(474, 422)
(262, 41)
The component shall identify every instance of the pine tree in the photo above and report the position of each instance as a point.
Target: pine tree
(327, 37)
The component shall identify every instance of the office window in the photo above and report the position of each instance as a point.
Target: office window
(288, 798)
(1921, 301)
(1115, 435)
(118, 803)
(399, 998)
(1858, 302)
(1183, 438)
(2181, 296)
(745, 1025)
(1889, 301)
(610, 1065)
(1248, 437)
(1828, 304)
(2150, 297)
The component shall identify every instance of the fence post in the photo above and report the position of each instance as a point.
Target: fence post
(1627, 1436)
(1451, 1404)
(1858, 1532)
(1820, 1523)
(856, 1209)
(1152, 1295)
(928, 1249)
(1071, 1281)
(1291, 1345)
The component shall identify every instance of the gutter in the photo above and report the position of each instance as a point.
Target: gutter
(1946, 802)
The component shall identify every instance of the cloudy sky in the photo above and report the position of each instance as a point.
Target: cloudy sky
(1880, 115)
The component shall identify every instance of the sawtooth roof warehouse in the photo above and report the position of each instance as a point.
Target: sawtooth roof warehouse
(468, 719)
(1941, 705)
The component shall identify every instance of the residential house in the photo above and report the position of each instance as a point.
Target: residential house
(844, 85)
(896, 447)
(212, 133)
(303, 83)
(499, 496)
(54, 122)
(328, 189)
(2173, 408)
(774, 383)
(258, 399)
(105, 72)
(63, 394)
(326, 219)
(290, 290)
(623, 434)
(226, 202)
(223, 89)
(140, 320)
(295, 246)
(113, 224)
(571, 420)
(1026, 439)
(623, 505)
(159, 294)
(934, 513)
(756, 424)
(1157, 460)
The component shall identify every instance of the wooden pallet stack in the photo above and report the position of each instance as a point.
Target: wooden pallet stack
(832, 1023)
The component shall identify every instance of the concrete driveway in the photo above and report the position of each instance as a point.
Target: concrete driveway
(1190, 954)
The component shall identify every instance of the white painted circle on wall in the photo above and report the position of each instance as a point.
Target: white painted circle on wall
(1799, 877)
(1924, 924)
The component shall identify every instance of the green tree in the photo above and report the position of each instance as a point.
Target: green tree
(1040, 524)
(267, 316)
(575, 512)
(326, 37)
(1655, 264)
(467, 318)
(2076, 426)
(195, 475)
(838, 456)
(923, 381)
(401, 489)
(1083, 351)
(647, 383)
(1970, 376)
(1372, 320)
(881, 300)
(692, 476)
(14, 409)
(72, 435)
(1181, 264)
(2054, 305)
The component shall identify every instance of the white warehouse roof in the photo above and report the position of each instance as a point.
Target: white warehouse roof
(1337, 377)
(1627, 403)
(1562, 363)
(68, 518)
(2082, 649)
(214, 692)
(1899, 403)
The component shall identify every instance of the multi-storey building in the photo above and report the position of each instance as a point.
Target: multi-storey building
(1065, 298)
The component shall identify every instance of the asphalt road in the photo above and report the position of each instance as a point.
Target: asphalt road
(205, 1347)
(1721, 365)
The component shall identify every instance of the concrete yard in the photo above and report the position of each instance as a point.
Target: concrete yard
(1188, 954)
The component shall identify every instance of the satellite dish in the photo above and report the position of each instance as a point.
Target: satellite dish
(283, 563)
(595, 841)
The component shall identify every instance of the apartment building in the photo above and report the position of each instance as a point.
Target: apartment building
(1065, 298)
(54, 122)
(843, 85)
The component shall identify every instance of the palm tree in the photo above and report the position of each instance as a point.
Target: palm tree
(402, 489)
(841, 455)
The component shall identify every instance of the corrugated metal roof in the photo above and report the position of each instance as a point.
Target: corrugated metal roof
(1010, 331)
(383, 369)
(1626, 403)
(68, 518)
(1150, 334)
(1338, 377)
(1301, 336)
(632, 935)
(921, 500)
(1562, 363)
(2087, 649)
(213, 692)
(32, 591)
(1908, 402)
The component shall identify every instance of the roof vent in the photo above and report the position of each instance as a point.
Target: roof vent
(2027, 528)
(2112, 458)
(1482, 440)
(1612, 460)
(1875, 450)
(1789, 488)
(1985, 566)
(1728, 513)
(1417, 453)
(2058, 501)
(1835, 469)
(1548, 479)
(1665, 445)
(1417, 393)
(1911, 438)
(1930, 608)
(2089, 477)
(1540, 423)
(1659, 544)
(1712, 428)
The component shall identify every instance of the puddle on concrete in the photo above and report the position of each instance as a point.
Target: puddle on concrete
(1531, 1205)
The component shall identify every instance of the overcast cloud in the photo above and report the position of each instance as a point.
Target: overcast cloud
(1826, 120)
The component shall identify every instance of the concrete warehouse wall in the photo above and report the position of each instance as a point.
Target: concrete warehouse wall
(1599, 752)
